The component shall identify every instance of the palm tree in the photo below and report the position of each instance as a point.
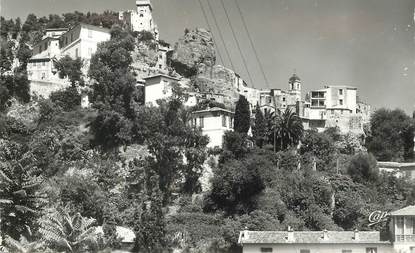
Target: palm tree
(62, 231)
(290, 129)
(21, 246)
(20, 199)
(285, 129)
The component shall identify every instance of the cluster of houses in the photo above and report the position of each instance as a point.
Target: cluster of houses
(328, 107)
(331, 106)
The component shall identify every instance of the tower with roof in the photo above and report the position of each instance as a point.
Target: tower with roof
(294, 88)
(140, 19)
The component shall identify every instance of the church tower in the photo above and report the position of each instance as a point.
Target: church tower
(295, 87)
(145, 16)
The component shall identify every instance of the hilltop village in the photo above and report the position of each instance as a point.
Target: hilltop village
(331, 106)
(113, 140)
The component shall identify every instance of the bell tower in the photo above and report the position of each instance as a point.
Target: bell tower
(295, 87)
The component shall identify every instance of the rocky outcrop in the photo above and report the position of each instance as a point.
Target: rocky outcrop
(217, 83)
(194, 49)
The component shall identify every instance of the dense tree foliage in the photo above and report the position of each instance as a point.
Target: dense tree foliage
(121, 163)
(242, 121)
(259, 129)
(392, 135)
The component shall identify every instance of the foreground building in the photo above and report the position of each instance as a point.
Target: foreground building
(213, 122)
(402, 239)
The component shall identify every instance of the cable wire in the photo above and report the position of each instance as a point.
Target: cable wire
(210, 28)
(237, 42)
(252, 44)
(220, 34)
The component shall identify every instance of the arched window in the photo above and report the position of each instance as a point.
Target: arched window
(141, 15)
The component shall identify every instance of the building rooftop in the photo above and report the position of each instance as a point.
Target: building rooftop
(407, 211)
(294, 78)
(161, 75)
(396, 165)
(213, 109)
(304, 237)
(88, 26)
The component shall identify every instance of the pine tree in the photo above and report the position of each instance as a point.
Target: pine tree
(242, 116)
(259, 129)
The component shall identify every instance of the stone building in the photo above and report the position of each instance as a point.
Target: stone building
(140, 19)
(335, 106)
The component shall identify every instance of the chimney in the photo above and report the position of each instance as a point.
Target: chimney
(325, 234)
(356, 235)
(290, 235)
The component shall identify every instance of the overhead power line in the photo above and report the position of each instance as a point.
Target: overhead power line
(210, 29)
(252, 44)
(237, 42)
(220, 33)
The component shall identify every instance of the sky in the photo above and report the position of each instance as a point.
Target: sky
(368, 44)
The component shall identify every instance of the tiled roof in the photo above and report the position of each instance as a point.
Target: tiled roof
(213, 109)
(303, 237)
(161, 75)
(407, 211)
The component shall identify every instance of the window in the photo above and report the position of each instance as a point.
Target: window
(283, 99)
(340, 91)
(43, 63)
(89, 33)
(40, 48)
(266, 250)
(141, 15)
(165, 86)
(202, 122)
(399, 225)
(76, 53)
(371, 250)
(269, 100)
(230, 122)
(66, 41)
(43, 75)
(341, 101)
(346, 251)
(223, 120)
(160, 66)
(71, 37)
(304, 251)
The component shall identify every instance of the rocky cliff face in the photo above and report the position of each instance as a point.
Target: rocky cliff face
(218, 82)
(194, 49)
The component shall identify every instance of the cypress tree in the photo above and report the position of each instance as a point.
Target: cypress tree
(259, 129)
(242, 116)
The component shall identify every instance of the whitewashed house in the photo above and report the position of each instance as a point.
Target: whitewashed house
(401, 228)
(80, 41)
(214, 122)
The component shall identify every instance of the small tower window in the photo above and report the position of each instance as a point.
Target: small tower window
(141, 15)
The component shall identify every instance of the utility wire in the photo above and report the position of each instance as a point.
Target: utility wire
(210, 28)
(220, 34)
(237, 42)
(252, 44)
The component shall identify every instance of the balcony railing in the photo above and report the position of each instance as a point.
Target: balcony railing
(404, 238)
